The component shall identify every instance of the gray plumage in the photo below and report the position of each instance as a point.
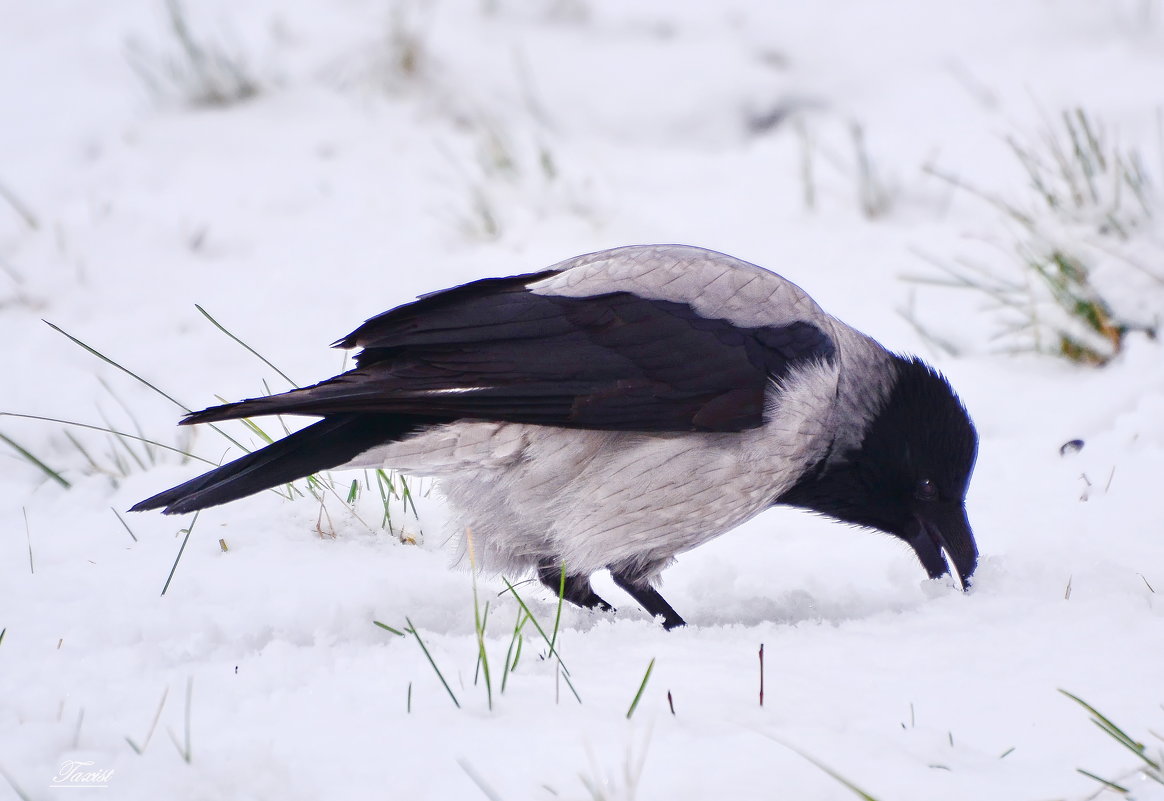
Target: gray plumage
(625, 406)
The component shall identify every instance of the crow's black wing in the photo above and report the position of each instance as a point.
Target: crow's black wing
(494, 350)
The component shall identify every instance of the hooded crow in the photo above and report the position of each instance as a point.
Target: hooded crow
(623, 407)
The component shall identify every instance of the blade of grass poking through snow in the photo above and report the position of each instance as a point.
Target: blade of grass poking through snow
(178, 558)
(481, 658)
(473, 775)
(639, 695)
(128, 413)
(553, 650)
(139, 750)
(123, 523)
(386, 627)
(123, 369)
(37, 463)
(90, 427)
(387, 490)
(186, 749)
(1118, 734)
(412, 630)
(258, 355)
(511, 656)
(28, 536)
(1119, 788)
(558, 611)
(138, 378)
(118, 439)
(852, 787)
(81, 449)
(406, 497)
(479, 622)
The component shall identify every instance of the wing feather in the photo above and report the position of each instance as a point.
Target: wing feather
(494, 350)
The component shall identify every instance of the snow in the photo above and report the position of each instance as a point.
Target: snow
(398, 148)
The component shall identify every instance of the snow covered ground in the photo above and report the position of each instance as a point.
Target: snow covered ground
(397, 148)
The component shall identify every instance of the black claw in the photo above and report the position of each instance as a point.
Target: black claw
(577, 590)
(650, 600)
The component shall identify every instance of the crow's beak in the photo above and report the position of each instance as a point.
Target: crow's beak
(945, 529)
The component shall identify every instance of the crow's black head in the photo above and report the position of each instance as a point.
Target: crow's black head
(909, 475)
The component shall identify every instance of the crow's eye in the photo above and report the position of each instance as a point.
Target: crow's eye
(926, 490)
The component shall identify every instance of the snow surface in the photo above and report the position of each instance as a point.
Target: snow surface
(398, 148)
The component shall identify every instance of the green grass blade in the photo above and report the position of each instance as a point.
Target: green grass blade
(140, 749)
(553, 649)
(639, 695)
(81, 449)
(407, 499)
(838, 777)
(558, 612)
(479, 621)
(125, 370)
(75, 424)
(1114, 731)
(412, 630)
(1105, 782)
(44, 468)
(510, 657)
(138, 378)
(181, 550)
(386, 627)
(118, 439)
(121, 520)
(258, 355)
(387, 490)
(128, 413)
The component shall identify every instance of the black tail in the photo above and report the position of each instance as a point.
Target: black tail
(329, 443)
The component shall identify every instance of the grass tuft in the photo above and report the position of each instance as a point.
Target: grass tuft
(1152, 768)
(195, 70)
(553, 652)
(479, 622)
(1074, 285)
(125, 456)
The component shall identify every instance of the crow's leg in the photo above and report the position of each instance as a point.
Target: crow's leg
(577, 591)
(649, 599)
